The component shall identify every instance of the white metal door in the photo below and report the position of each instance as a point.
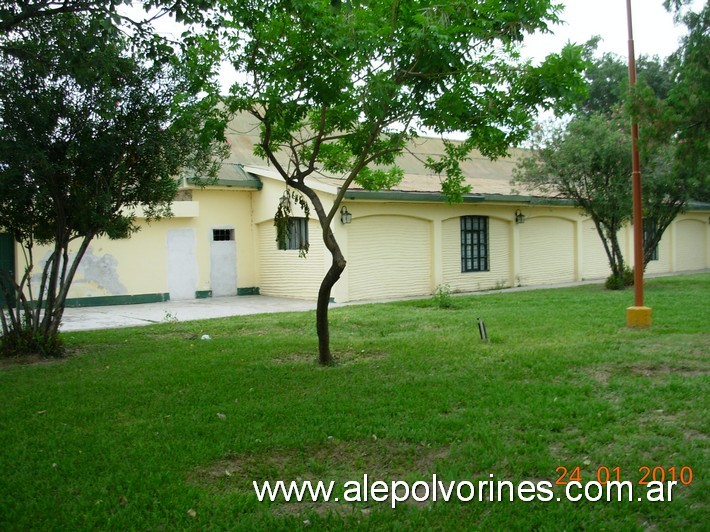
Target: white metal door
(182, 264)
(223, 263)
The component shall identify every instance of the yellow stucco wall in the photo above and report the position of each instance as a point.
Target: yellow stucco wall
(284, 273)
(389, 256)
(548, 247)
(499, 246)
(554, 245)
(691, 246)
(393, 248)
(595, 264)
(663, 263)
(139, 265)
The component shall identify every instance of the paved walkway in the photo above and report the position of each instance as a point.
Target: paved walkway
(114, 316)
(110, 317)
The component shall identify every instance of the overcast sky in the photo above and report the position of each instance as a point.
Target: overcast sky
(654, 30)
(655, 33)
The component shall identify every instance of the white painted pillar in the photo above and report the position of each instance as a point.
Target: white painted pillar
(340, 292)
(673, 246)
(579, 248)
(437, 252)
(514, 253)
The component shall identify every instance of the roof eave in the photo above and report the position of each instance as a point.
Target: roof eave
(437, 197)
(248, 184)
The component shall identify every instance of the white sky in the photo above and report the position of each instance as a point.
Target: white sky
(654, 30)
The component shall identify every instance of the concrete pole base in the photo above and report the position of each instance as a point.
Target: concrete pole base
(638, 317)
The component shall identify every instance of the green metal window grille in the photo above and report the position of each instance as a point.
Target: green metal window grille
(297, 237)
(474, 244)
(649, 232)
(219, 235)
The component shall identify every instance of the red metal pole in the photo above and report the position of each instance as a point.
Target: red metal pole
(635, 176)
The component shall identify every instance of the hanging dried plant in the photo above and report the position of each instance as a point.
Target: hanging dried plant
(283, 217)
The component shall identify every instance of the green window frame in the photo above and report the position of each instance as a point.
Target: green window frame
(221, 235)
(649, 231)
(297, 235)
(7, 267)
(474, 244)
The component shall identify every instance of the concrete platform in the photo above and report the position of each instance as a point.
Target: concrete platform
(115, 316)
(109, 317)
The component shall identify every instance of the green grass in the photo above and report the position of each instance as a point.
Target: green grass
(125, 433)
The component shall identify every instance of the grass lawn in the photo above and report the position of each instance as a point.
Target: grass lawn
(154, 428)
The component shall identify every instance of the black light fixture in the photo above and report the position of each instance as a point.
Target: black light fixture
(284, 201)
(519, 217)
(345, 216)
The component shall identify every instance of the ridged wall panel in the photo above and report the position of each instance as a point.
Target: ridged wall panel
(595, 263)
(389, 256)
(283, 273)
(547, 251)
(499, 260)
(691, 245)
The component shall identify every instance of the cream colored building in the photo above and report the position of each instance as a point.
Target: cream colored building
(221, 240)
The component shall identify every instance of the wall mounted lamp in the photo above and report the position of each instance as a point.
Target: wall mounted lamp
(284, 201)
(345, 216)
(519, 217)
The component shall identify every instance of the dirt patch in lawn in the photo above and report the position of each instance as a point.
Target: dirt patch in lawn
(681, 346)
(654, 370)
(658, 370)
(341, 357)
(600, 375)
(34, 360)
(334, 460)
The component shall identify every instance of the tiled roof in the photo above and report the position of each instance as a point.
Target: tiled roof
(483, 175)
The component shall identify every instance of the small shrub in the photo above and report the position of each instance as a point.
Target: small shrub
(170, 318)
(23, 342)
(614, 282)
(628, 277)
(442, 296)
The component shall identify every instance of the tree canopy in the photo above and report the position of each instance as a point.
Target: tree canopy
(88, 133)
(17, 14)
(669, 103)
(341, 87)
(608, 78)
(688, 123)
(587, 161)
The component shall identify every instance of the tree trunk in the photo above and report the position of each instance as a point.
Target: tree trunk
(610, 241)
(325, 357)
(618, 257)
(66, 280)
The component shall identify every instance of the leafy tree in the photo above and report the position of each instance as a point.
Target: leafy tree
(88, 133)
(16, 14)
(608, 78)
(340, 87)
(590, 161)
(685, 122)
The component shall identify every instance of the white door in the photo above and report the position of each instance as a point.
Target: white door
(182, 264)
(223, 263)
